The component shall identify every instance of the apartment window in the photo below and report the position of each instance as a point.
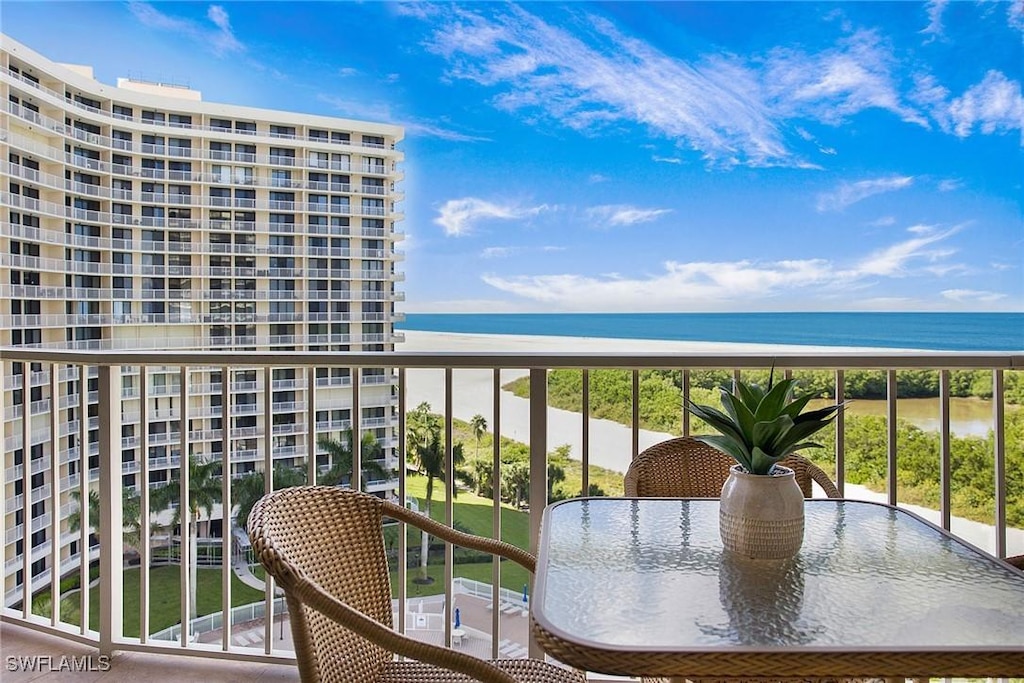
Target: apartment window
(120, 111)
(373, 141)
(245, 153)
(282, 131)
(245, 127)
(182, 120)
(220, 150)
(337, 136)
(220, 124)
(152, 116)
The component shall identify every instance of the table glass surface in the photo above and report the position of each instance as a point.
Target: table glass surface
(651, 573)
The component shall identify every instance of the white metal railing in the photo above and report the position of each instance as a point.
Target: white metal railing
(442, 371)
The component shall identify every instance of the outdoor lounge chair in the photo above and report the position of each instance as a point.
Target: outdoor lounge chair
(687, 468)
(324, 546)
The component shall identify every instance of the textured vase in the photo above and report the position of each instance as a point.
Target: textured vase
(762, 516)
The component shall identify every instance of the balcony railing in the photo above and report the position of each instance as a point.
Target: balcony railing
(439, 377)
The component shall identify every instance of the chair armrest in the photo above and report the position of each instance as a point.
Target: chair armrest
(310, 593)
(481, 543)
(824, 481)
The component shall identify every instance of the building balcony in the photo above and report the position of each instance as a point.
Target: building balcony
(456, 386)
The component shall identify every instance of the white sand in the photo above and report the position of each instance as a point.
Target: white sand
(610, 442)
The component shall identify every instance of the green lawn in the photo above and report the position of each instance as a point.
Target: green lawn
(164, 602)
(475, 515)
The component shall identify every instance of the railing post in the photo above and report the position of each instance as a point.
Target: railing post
(538, 466)
(111, 516)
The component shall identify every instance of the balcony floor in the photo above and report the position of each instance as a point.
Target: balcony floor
(136, 667)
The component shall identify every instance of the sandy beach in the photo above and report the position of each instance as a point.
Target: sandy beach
(610, 442)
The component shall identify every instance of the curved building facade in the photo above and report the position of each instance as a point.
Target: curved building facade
(143, 217)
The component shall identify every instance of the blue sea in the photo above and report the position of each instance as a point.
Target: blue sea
(927, 331)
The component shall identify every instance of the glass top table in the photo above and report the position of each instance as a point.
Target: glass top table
(643, 586)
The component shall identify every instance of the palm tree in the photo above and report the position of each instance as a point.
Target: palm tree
(250, 488)
(428, 452)
(131, 515)
(479, 426)
(204, 491)
(342, 456)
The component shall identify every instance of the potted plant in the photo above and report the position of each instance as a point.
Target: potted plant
(762, 508)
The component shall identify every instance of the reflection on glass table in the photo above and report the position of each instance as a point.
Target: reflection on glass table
(642, 586)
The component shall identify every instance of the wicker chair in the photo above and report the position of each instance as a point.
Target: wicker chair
(1017, 561)
(685, 467)
(324, 546)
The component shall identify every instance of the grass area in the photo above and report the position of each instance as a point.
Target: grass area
(164, 600)
(474, 514)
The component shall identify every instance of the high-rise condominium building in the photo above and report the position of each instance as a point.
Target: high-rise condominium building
(142, 217)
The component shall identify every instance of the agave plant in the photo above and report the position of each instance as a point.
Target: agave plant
(762, 426)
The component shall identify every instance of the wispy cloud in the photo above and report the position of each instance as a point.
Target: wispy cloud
(934, 9)
(972, 295)
(883, 222)
(994, 105)
(432, 130)
(614, 215)
(219, 38)
(504, 252)
(587, 75)
(851, 193)
(949, 184)
(726, 285)
(459, 217)
(855, 75)
(598, 178)
(1015, 14)
(379, 111)
(667, 160)
(896, 260)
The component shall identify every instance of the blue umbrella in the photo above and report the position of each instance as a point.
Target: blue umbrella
(458, 621)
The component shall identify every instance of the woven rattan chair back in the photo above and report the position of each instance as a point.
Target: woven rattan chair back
(687, 468)
(336, 541)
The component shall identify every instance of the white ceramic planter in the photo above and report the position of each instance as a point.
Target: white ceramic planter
(762, 516)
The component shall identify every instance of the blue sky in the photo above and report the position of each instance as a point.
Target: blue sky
(722, 156)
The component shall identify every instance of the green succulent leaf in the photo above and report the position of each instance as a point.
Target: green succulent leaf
(735, 449)
(716, 419)
(740, 414)
(768, 434)
(750, 395)
(793, 409)
(774, 401)
(761, 462)
(820, 414)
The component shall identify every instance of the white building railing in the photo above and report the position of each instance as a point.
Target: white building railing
(110, 366)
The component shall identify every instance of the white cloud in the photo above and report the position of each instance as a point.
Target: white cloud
(459, 217)
(347, 71)
(499, 252)
(503, 252)
(614, 215)
(598, 178)
(667, 160)
(1015, 14)
(431, 130)
(836, 83)
(738, 285)
(995, 105)
(934, 8)
(972, 295)
(883, 222)
(221, 39)
(895, 260)
(851, 193)
(588, 75)
(949, 184)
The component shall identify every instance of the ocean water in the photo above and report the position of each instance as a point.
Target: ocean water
(926, 331)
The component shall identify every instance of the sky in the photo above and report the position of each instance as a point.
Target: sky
(635, 156)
